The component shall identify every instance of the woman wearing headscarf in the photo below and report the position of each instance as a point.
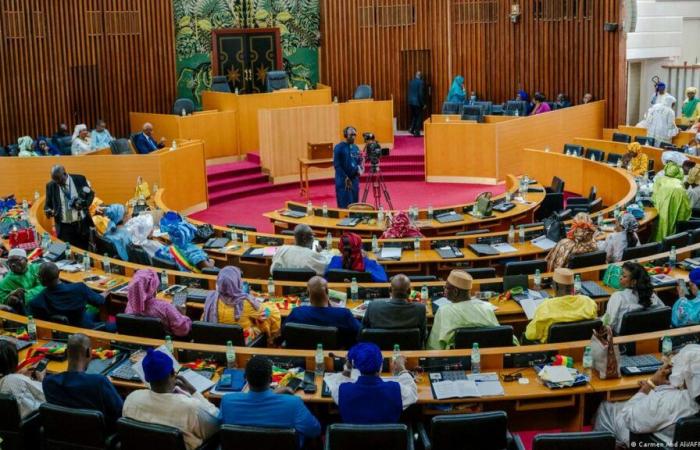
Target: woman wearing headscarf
(625, 235)
(24, 384)
(634, 160)
(638, 293)
(541, 105)
(579, 239)
(230, 304)
(457, 93)
(80, 140)
(524, 97)
(401, 227)
(140, 229)
(142, 301)
(352, 258)
(671, 201)
(671, 394)
(26, 147)
(691, 106)
(671, 156)
(183, 252)
(692, 186)
(115, 232)
(44, 147)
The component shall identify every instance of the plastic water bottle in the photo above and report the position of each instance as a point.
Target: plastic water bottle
(184, 113)
(430, 212)
(45, 240)
(270, 287)
(672, 257)
(375, 244)
(169, 345)
(568, 153)
(396, 356)
(36, 195)
(521, 234)
(106, 266)
(354, 289)
(511, 234)
(25, 205)
(538, 279)
(325, 209)
(424, 293)
(234, 238)
(577, 284)
(618, 164)
(587, 361)
(318, 359)
(309, 209)
(86, 262)
(163, 280)
(416, 245)
(600, 220)
(517, 112)
(380, 216)
(616, 212)
(476, 358)
(592, 157)
(666, 346)
(230, 355)
(174, 146)
(244, 237)
(68, 254)
(329, 241)
(31, 328)
(508, 197)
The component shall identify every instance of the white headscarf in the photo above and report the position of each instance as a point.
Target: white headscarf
(140, 228)
(672, 155)
(669, 100)
(77, 130)
(686, 370)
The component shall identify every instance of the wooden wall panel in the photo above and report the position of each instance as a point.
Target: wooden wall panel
(75, 61)
(556, 46)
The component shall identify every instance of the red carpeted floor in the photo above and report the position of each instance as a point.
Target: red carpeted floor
(238, 194)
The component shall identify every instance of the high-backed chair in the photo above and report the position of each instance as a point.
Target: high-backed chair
(409, 338)
(120, 147)
(481, 272)
(236, 437)
(584, 204)
(17, 433)
(598, 440)
(344, 436)
(574, 149)
(553, 202)
(138, 255)
(613, 158)
(132, 325)
(482, 430)
(511, 106)
(82, 429)
(587, 259)
(276, 80)
(220, 334)
(363, 92)
(64, 144)
(137, 435)
(219, 83)
(452, 108)
(501, 336)
(470, 112)
(646, 321)
(687, 225)
(686, 434)
(622, 137)
(346, 276)
(594, 153)
(525, 267)
(644, 140)
(641, 251)
(163, 263)
(183, 104)
(557, 185)
(302, 336)
(293, 274)
(677, 240)
(572, 331)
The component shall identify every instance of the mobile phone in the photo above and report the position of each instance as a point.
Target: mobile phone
(309, 388)
(42, 365)
(684, 286)
(225, 379)
(294, 384)
(180, 299)
(309, 377)
(92, 278)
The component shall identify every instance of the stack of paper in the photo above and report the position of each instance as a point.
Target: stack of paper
(504, 248)
(390, 253)
(476, 385)
(544, 243)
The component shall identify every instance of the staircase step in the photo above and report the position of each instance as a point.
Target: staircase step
(239, 180)
(239, 192)
(221, 171)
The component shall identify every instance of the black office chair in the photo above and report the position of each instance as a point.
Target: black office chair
(557, 186)
(646, 321)
(622, 137)
(217, 334)
(105, 247)
(497, 110)
(17, 433)
(525, 267)
(584, 204)
(687, 225)
(512, 106)
(613, 158)
(148, 327)
(501, 336)
(552, 203)
(677, 240)
(183, 104)
(163, 263)
(482, 430)
(572, 331)
(641, 251)
(276, 80)
(587, 259)
(346, 276)
(486, 107)
(470, 112)
(293, 274)
(598, 155)
(452, 108)
(73, 428)
(137, 435)
(237, 437)
(3, 151)
(12, 150)
(645, 140)
(694, 236)
(512, 281)
(421, 278)
(363, 92)
(219, 83)
(598, 440)
(574, 149)
(408, 339)
(211, 270)
(481, 272)
(302, 336)
(64, 145)
(686, 434)
(120, 147)
(344, 436)
(138, 255)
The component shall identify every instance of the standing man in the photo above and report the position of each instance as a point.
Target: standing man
(661, 96)
(416, 103)
(67, 200)
(347, 162)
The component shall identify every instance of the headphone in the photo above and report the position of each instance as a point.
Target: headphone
(346, 131)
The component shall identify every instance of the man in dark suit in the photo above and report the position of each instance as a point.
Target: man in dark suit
(68, 198)
(398, 312)
(347, 162)
(145, 142)
(416, 102)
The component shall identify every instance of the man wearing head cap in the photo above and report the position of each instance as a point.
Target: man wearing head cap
(458, 310)
(362, 396)
(691, 106)
(686, 310)
(565, 307)
(22, 281)
(172, 401)
(692, 185)
(671, 394)
(661, 121)
(661, 96)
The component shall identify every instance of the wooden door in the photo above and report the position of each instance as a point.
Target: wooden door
(412, 61)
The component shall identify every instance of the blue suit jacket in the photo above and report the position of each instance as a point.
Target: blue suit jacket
(145, 144)
(370, 400)
(416, 92)
(346, 162)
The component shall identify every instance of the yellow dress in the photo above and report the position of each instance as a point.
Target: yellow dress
(266, 320)
(568, 308)
(639, 165)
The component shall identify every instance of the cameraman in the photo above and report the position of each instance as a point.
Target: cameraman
(348, 165)
(67, 200)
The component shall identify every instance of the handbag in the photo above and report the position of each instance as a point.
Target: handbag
(554, 228)
(203, 234)
(611, 277)
(484, 205)
(605, 354)
(24, 239)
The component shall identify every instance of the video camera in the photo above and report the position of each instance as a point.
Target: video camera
(373, 151)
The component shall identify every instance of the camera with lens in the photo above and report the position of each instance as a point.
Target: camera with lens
(373, 151)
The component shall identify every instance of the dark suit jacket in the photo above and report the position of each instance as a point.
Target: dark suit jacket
(53, 198)
(145, 144)
(416, 94)
(395, 314)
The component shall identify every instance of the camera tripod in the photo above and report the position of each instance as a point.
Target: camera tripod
(378, 185)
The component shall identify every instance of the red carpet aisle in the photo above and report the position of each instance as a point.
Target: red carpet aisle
(240, 193)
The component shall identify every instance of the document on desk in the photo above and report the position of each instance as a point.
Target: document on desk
(544, 243)
(390, 253)
(504, 248)
(269, 251)
(199, 382)
(455, 389)
(531, 302)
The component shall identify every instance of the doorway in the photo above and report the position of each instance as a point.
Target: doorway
(410, 62)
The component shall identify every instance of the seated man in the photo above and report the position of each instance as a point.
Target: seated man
(100, 136)
(672, 393)
(65, 299)
(365, 398)
(144, 141)
(565, 307)
(22, 280)
(686, 310)
(76, 389)
(263, 407)
(172, 401)
(301, 255)
(460, 312)
(115, 232)
(398, 312)
(321, 313)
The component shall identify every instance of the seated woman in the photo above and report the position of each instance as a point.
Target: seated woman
(636, 161)
(116, 233)
(692, 186)
(637, 293)
(541, 105)
(183, 252)
(401, 227)
(579, 239)
(81, 140)
(686, 310)
(26, 147)
(670, 199)
(457, 93)
(625, 235)
(353, 258)
(44, 147)
(140, 230)
(142, 301)
(24, 384)
(524, 97)
(230, 304)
